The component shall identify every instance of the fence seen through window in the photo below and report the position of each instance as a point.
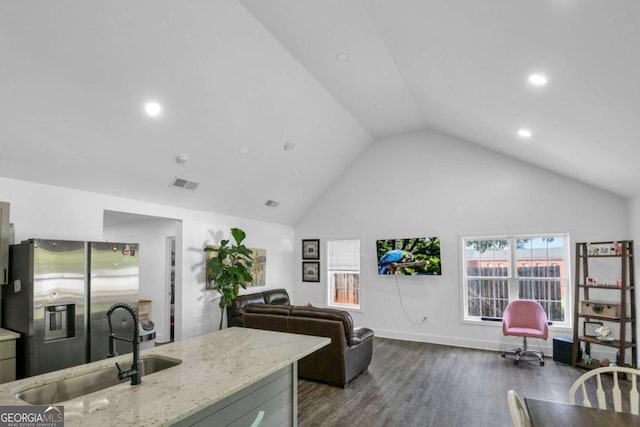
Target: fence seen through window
(539, 264)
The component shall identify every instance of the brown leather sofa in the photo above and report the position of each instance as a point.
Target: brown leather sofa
(236, 311)
(337, 364)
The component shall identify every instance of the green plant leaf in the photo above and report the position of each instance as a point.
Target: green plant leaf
(238, 235)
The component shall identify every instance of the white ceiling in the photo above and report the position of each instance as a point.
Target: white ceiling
(257, 73)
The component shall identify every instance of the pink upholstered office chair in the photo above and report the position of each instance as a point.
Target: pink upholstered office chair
(525, 318)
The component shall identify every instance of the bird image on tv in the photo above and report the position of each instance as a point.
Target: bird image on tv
(412, 256)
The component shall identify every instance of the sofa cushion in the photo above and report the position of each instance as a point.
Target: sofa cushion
(327, 314)
(235, 311)
(242, 301)
(275, 310)
(276, 296)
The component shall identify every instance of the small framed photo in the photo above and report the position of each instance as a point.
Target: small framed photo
(311, 249)
(590, 328)
(310, 271)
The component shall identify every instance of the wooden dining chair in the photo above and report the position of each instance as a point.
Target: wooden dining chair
(519, 413)
(601, 393)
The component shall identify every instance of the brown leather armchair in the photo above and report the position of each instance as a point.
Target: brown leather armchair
(337, 364)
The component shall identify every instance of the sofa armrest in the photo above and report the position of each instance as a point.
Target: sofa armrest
(276, 296)
(360, 335)
(236, 310)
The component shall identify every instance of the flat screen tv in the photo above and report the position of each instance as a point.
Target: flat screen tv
(413, 256)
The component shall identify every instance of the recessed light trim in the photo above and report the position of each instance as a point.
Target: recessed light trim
(524, 133)
(153, 109)
(343, 56)
(243, 150)
(537, 80)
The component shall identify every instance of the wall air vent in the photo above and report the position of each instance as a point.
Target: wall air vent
(184, 183)
(271, 203)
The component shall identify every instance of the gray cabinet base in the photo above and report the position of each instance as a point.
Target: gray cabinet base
(275, 397)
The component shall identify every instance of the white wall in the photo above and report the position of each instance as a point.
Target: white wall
(432, 185)
(151, 234)
(44, 211)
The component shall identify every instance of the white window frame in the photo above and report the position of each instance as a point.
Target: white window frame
(354, 267)
(512, 277)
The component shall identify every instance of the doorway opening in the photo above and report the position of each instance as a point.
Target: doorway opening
(159, 240)
(171, 284)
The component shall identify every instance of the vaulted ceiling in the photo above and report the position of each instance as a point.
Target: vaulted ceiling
(272, 99)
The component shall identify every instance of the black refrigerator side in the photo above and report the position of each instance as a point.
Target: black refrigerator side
(17, 301)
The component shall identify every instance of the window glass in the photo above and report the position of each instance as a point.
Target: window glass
(343, 273)
(497, 270)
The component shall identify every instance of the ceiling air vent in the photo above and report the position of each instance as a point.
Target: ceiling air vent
(184, 183)
(271, 203)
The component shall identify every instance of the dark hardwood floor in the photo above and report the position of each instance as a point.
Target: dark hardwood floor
(421, 384)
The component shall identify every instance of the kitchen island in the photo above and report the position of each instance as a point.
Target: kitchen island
(229, 375)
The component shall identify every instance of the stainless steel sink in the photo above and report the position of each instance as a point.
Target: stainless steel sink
(70, 388)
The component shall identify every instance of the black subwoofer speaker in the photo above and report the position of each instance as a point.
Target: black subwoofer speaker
(562, 350)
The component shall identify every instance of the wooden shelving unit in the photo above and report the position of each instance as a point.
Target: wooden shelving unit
(620, 294)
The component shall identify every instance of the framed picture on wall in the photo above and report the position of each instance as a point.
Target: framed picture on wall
(310, 271)
(590, 328)
(311, 249)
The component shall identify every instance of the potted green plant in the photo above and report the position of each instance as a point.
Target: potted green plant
(229, 268)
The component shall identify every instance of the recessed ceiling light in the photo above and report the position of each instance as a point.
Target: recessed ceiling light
(342, 56)
(288, 146)
(380, 106)
(243, 150)
(296, 172)
(153, 109)
(537, 79)
(524, 133)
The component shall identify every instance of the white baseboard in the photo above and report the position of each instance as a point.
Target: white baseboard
(545, 346)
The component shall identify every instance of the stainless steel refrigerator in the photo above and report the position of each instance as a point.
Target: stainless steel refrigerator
(57, 298)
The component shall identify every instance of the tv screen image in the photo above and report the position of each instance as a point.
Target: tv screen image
(413, 256)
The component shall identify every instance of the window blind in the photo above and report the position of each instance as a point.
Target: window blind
(343, 255)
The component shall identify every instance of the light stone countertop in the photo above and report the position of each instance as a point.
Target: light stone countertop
(6, 335)
(213, 367)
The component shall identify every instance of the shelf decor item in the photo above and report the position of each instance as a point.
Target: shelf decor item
(603, 333)
(310, 271)
(601, 308)
(311, 249)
